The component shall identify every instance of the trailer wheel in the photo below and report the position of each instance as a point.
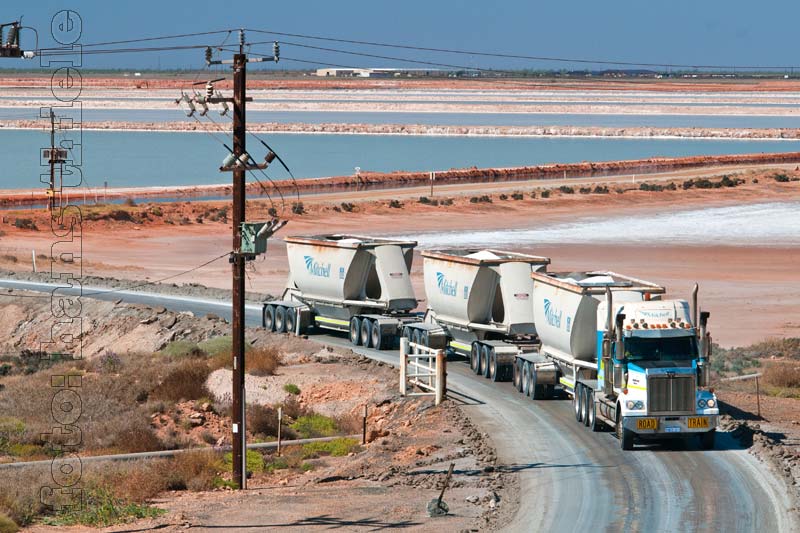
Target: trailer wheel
(280, 319)
(576, 400)
(517, 375)
(289, 319)
(376, 337)
(526, 374)
(494, 370)
(475, 358)
(536, 389)
(415, 340)
(594, 423)
(269, 318)
(366, 331)
(586, 406)
(707, 439)
(355, 331)
(485, 361)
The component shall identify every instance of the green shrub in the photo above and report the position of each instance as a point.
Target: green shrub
(291, 388)
(298, 208)
(184, 382)
(180, 348)
(517, 196)
(277, 463)
(503, 197)
(545, 194)
(101, 508)
(336, 448)
(254, 462)
(396, 204)
(781, 178)
(585, 190)
(566, 189)
(314, 425)
(600, 189)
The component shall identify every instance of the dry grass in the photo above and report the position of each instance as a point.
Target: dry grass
(783, 374)
(263, 361)
(186, 381)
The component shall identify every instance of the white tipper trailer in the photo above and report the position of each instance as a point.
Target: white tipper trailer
(479, 306)
(346, 283)
(628, 358)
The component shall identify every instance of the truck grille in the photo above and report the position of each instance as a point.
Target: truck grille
(670, 394)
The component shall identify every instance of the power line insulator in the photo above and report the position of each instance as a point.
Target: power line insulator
(276, 51)
(225, 107)
(208, 55)
(209, 90)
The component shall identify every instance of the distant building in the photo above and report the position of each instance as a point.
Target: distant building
(379, 72)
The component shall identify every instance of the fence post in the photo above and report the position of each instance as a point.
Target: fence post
(364, 426)
(280, 418)
(441, 376)
(403, 364)
(758, 399)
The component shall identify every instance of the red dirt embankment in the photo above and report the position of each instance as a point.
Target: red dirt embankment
(381, 179)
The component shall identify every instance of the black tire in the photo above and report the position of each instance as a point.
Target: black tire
(289, 320)
(376, 338)
(594, 424)
(707, 439)
(537, 390)
(269, 318)
(587, 397)
(280, 319)
(485, 361)
(366, 331)
(576, 401)
(549, 392)
(475, 358)
(526, 378)
(355, 331)
(415, 338)
(495, 371)
(515, 379)
(625, 436)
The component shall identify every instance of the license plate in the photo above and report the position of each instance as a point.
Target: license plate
(646, 423)
(672, 429)
(697, 422)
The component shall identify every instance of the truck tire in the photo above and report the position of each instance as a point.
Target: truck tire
(475, 358)
(707, 439)
(376, 338)
(516, 379)
(355, 331)
(526, 378)
(269, 318)
(576, 401)
(537, 390)
(494, 369)
(625, 436)
(485, 361)
(550, 392)
(289, 319)
(594, 423)
(280, 319)
(366, 331)
(585, 405)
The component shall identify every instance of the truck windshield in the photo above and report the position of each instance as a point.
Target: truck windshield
(661, 349)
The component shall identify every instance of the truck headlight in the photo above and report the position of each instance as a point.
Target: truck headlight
(701, 403)
(639, 405)
(630, 404)
(711, 403)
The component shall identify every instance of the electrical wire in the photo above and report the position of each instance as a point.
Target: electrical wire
(160, 38)
(69, 52)
(160, 280)
(518, 56)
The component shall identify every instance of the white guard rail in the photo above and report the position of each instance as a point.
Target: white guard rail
(424, 368)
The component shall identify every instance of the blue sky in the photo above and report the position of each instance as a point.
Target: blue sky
(734, 32)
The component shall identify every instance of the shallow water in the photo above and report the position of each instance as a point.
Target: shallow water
(767, 224)
(130, 159)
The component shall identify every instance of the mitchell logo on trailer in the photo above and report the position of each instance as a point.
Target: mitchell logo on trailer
(446, 287)
(316, 269)
(551, 314)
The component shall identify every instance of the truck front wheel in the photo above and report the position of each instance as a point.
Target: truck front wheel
(625, 436)
(707, 439)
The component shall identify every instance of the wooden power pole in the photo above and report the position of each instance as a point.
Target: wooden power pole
(240, 162)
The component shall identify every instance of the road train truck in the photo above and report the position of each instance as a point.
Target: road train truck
(479, 306)
(348, 283)
(629, 358)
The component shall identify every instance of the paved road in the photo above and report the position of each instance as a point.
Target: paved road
(572, 479)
